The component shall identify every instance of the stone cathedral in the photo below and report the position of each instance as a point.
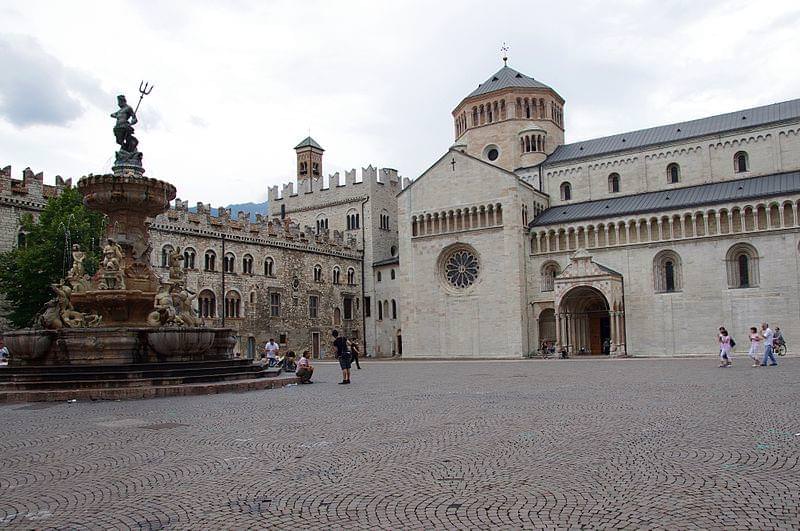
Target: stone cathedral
(638, 243)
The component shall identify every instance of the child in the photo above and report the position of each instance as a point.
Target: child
(724, 347)
(304, 369)
(755, 345)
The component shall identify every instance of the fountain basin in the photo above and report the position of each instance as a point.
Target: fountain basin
(181, 343)
(29, 346)
(129, 307)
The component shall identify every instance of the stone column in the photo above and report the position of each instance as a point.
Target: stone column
(613, 340)
(558, 331)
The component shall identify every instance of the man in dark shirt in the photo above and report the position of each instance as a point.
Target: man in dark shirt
(344, 356)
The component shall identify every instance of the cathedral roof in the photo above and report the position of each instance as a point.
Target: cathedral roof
(504, 78)
(759, 187)
(721, 123)
(309, 142)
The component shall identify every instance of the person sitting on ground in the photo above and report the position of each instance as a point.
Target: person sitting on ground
(304, 368)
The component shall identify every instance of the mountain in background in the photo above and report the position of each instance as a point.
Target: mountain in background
(250, 208)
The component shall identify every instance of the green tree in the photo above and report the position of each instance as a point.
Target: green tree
(45, 256)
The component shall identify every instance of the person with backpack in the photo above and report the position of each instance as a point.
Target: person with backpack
(726, 344)
(343, 355)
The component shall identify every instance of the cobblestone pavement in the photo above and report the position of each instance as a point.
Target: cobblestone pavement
(578, 443)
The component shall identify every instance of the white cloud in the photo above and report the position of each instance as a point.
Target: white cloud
(239, 84)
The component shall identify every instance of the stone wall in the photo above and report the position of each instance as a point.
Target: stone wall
(294, 255)
(770, 149)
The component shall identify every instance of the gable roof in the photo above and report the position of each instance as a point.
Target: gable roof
(309, 142)
(755, 116)
(752, 187)
(463, 154)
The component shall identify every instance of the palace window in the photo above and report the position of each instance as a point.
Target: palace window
(322, 224)
(188, 258)
(742, 266)
(391, 274)
(269, 267)
(379, 276)
(351, 277)
(673, 173)
(367, 307)
(228, 263)
(336, 274)
(353, 220)
(348, 308)
(394, 309)
(313, 306)
(275, 304)
(667, 272)
(247, 264)
(566, 191)
(549, 272)
(165, 255)
(210, 261)
(741, 162)
(233, 304)
(207, 304)
(317, 273)
(613, 183)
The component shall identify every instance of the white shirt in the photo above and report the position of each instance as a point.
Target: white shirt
(768, 335)
(271, 349)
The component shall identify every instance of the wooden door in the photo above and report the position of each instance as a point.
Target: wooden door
(315, 345)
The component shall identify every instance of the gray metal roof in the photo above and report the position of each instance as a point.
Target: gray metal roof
(775, 112)
(689, 196)
(309, 142)
(387, 261)
(504, 78)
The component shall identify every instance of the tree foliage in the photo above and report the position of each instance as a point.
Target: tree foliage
(44, 255)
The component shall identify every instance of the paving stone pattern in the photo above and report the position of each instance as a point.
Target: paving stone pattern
(584, 443)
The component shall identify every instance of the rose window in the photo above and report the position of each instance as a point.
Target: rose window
(461, 268)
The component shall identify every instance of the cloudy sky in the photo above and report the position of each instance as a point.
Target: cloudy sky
(238, 85)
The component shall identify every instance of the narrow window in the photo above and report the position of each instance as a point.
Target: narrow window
(380, 311)
(275, 304)
(566, 192)
(669, 274)
(613, 183)
(744, 271)
(313, 306)
(673, 173)
(367, 307)
(740, 162)
(348, 309)
(391, 274)
(394, 309)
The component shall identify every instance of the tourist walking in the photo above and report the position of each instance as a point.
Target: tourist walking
(354, 351)
(271, 348)
(304, 369)
(725, 347)
(755, 345)
(769, 336)
(343, 355)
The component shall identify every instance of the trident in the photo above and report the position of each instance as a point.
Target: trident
(144, 90)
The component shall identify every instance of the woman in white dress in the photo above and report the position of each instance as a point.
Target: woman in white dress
(755, 346)
(725, 349)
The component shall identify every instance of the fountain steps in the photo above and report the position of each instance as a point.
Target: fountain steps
(24, 384)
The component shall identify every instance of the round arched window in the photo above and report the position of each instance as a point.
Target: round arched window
(461, 268)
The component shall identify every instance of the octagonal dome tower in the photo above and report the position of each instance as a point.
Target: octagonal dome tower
(511, 120)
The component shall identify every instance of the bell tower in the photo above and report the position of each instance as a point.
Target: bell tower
(309, 159)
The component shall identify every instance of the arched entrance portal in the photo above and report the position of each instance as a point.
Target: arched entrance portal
(547, 326)
(585, 318)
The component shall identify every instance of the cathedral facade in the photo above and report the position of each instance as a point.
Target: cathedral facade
(640, 243)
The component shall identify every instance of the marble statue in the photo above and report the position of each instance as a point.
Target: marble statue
(175, 268)
(112, 275)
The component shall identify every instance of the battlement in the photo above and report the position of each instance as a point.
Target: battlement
(370, 178)
(31, 187)
(263, 229)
